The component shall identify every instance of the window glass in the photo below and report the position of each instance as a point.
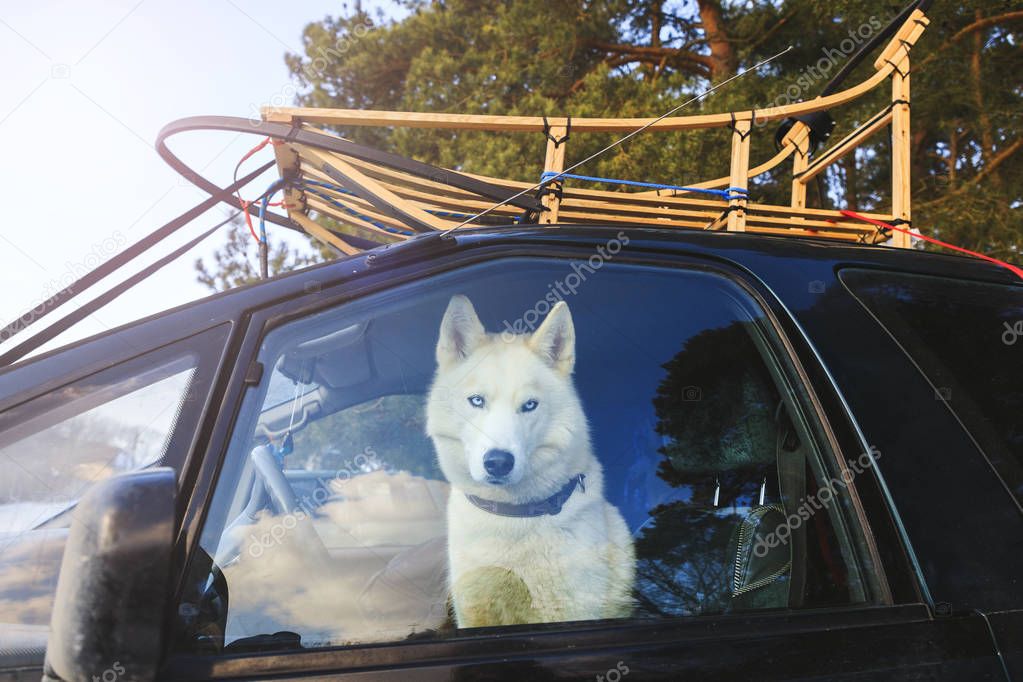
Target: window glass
(89, 432)
(967, 339)
(468, 452)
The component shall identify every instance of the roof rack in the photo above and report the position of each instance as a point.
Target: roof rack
(372, 197)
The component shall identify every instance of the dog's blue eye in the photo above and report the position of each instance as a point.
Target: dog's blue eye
(529, 405)
(477, 401)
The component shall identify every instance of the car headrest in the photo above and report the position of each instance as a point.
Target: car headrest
(761, 558)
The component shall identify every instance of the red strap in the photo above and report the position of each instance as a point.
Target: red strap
(880, 223)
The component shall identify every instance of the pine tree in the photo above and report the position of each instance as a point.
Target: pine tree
(641, 57)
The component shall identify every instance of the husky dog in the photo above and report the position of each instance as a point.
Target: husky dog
(531, 538)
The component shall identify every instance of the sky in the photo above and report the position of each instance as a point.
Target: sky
(86, 88)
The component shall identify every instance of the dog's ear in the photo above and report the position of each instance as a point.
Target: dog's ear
(460, 331)
(554, 341)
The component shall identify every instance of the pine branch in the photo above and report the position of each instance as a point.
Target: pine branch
(984, 172)
(979, 25)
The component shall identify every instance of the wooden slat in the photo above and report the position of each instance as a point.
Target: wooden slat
(738, 174)
(366, 213)
(668, 218)
(554, 162)
(405, 119)
(904, 39)
(651, 199)
(358, 205)
(626, 202)
(381, 192)
(287, 165)
(718, 183)
(393, 178)
(848, 231)
(612, 212)
(323, 234)
(423, 190)
(901, 153)
(841, 148)
(354, 225)
(799, 138)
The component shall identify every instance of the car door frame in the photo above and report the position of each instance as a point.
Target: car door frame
(664, 647)
(33, 387)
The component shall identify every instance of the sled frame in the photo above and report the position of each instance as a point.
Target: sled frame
(333, 196)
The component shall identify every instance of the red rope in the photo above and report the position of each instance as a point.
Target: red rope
(880, 223)
(245, 204)
(248, 154)
(248, 218)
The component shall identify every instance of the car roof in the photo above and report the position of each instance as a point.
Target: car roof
(759, 254)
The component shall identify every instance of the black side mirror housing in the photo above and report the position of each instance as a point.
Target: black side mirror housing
(109, 612)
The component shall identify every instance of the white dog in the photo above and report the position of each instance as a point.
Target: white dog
(530, 536)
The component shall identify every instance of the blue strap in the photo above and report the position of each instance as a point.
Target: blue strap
(727, 193)
(275, 187)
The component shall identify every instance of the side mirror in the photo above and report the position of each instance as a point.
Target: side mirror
(109, 611)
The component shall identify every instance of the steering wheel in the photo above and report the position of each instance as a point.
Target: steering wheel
(282, 496)
(270, 488)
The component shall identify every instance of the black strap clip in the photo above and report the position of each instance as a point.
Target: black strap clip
(752, 123)
(551, 187)
(557, 140)
(895, 68)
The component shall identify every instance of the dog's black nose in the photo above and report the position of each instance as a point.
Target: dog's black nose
(498, 462)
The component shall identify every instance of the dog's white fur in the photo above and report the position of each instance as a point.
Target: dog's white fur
(576, 565)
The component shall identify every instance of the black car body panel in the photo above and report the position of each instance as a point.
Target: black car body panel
(949, 538)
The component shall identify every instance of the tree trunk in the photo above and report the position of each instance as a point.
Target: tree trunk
(722, 56)
(655, 38)
(953, 156)
(986, 138)
(851, 181)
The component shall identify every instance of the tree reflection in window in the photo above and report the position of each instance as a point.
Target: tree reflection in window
(715, 412)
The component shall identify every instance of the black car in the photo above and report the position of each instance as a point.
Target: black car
(817, 449)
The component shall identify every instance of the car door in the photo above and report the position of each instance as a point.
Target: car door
(963, 337)
(67, 422)
(761, 538)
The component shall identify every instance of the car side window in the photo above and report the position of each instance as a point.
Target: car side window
(967, 339)
(57, 445)
(522, 442)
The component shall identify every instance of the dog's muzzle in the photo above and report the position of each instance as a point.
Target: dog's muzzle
(498, 464)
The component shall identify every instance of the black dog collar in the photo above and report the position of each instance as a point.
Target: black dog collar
(552, 505)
